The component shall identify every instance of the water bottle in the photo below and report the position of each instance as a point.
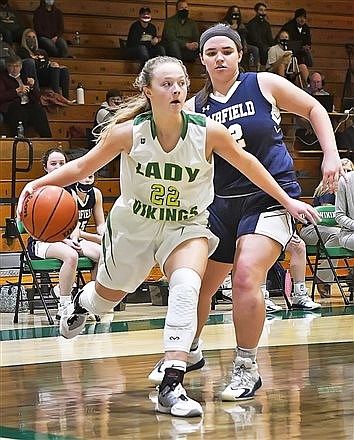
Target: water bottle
(77, 38)
(80, 94)
(20, 130)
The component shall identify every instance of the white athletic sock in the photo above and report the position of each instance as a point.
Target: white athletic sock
(300, 288)
(249, 353)
(177, 364)
(65, 299)
(93, 302)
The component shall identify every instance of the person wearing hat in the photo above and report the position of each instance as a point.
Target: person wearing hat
(143, 43)
(300, 32)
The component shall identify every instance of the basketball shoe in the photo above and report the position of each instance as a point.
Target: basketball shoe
(195, 361)
(73, 319)
(173, 399)
(303, 301)
(270, 306)
(245, 380)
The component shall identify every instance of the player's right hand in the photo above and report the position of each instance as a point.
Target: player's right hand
(27, 190)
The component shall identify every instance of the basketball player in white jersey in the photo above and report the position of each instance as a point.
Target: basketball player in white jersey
(161, 215)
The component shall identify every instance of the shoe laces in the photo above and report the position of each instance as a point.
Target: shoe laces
(173, 392)
(242, 374)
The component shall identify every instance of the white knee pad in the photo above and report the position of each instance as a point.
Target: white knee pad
(181, 318)
(93, 302)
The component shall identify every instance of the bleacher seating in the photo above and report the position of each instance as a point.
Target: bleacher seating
(98, 64)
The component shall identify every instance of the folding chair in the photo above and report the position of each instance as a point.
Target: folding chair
(41, 272)
(323, 253)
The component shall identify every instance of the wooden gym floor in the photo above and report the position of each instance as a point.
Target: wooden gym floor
(96, 387)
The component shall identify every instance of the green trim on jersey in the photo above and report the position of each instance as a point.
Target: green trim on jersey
(139, 119)
(196, 119)
(187, 118)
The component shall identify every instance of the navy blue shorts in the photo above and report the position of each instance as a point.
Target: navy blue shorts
(254, 214)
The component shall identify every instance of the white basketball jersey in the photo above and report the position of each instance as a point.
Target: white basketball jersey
(174, 186)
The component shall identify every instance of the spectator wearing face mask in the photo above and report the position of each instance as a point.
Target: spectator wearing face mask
(233, 18)
(10, 24)
(279, 57)
(180, 34)
(259, 32)
(299, 31)
(143, 42)
(49, 73)
(19, 100)
(49, 26)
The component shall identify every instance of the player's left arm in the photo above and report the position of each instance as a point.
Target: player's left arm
(220, 141)
(285, 95)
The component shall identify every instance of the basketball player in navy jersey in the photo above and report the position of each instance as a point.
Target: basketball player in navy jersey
(89, 202)
(247, 104)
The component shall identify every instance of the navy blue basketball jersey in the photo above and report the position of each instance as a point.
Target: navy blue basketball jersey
(85, 207)
(250, 117)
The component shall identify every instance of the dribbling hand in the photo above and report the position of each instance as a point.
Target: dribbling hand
(27, 190)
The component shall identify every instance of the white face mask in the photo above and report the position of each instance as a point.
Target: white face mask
(49, 2)
(14, 76)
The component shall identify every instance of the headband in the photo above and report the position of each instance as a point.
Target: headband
(220, 30)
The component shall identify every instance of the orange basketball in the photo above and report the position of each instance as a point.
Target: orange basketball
(50, 214)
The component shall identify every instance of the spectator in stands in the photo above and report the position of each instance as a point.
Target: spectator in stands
(143, 42)
(316, 84)
(259, 32)
(48, 23)
(49, 73)
(107, 109)
(6, 51)
(180, 34)
(234, 19)
(345, 211)
(300, 32)
(28, 64)
(10, 24)
(322, 197)
(279, 58)
(19, 100)
(304, 131)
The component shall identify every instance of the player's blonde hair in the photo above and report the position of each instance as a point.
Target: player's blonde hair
(137, 104)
